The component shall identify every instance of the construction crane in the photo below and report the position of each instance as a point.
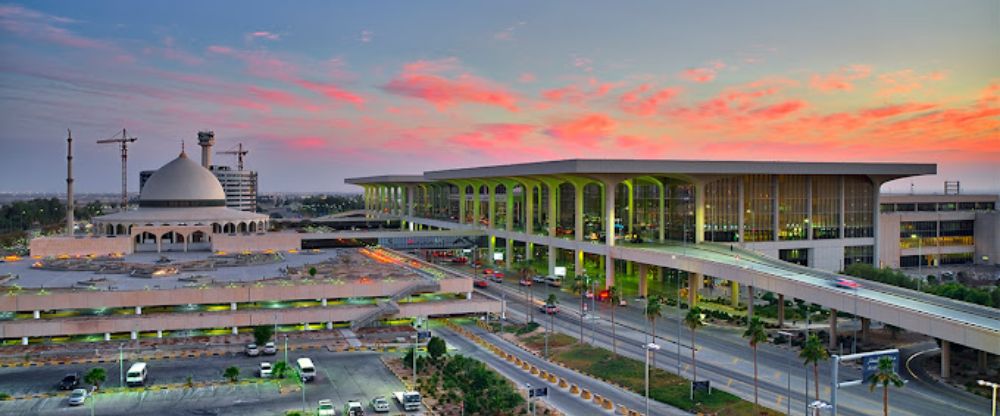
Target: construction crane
(123, 140)
(239, 152)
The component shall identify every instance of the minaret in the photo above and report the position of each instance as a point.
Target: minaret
(69, 183)
(206, 139)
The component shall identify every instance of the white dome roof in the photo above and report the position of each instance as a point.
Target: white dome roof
(182, 183)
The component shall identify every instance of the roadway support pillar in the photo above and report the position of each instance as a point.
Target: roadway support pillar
(983, 359)
(236, 331)
(945, 359)
(609, 231)
(578, 262)
(695, 281)
(750, 298)
(781, 310)
(866, 325)
(734, 293)
(323, 302)
(24, 340)
(643, 284)
(833, 329)
(552, 260)
(329, 325)
(107, 336)
(138, 310)
(134, 335)
(159, 333)
(38, 314)
(232, 306)
(468, 295)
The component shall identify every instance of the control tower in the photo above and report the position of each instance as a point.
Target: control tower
(206, 139)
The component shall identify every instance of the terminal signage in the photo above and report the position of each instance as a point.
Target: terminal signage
(538, 392)
(870, 364)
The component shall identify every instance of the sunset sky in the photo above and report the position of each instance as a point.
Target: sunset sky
(322, 90)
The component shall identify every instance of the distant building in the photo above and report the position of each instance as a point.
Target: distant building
(939, 230)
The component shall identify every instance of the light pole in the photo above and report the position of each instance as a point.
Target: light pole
(994, 386)
(531, 398)
(854, 338)
(121, 365)
(286, 351)
(650, 348)
(593, 310)
(789, 372)
(416, 338)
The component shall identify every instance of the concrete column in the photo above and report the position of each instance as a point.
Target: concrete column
(24, 340)
(491, 247)
(107, 336)
(734, 293)
(841, 211)
(809, 208)
(529, 210)
(159, 333)
(508, 255)
(833, 329)
(742, 207)
(876, 208)
(491, 221)
(982, 358)
(323, 302)
(945, 359)
(750, 298)
(609, 231)
(699, 212)
(865, 329)
(232, 306)
(410, 200)
(329, 326)
(552, 260)
(38, 314)
(468, 295)
(553, 209)
(461, 204)
(138, 310)
(134, 335)
(477, 214)
(578, 212)
(159, 245)
(578, 261)
(695, 282)
(775, 208)
(631, 207)
(661, 192)
(643, 284)
(781, 310)
(236, 331)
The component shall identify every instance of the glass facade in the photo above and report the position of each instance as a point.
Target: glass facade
(647, 210)
(758, 210)
(722, 211)
(859, 196)
(680, 212)
(859, 254)
(798, 256)
(825, 219)
(793, 207)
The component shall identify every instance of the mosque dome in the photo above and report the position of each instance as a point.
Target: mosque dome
(182, 183)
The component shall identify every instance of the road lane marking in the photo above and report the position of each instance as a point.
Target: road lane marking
(908, 369)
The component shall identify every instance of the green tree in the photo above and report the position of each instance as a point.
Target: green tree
(436, 347)
(232, 373)
(654, 309)
(884, 376)
(312, 272)
(755, 334)
(262, 334)
(580, 285)
(96, 376)
(814, 352)
(693, 320)
(280, 369)
(615, 296)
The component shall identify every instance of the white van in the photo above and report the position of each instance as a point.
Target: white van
(306, 369)
(136, 375)
(553, 281)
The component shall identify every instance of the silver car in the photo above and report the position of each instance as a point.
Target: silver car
(380, 404)
(77, 397)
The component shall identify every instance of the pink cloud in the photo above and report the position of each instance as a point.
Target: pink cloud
(431, 66)
(842, 80)
(637, 102)
(419, 81)
(703, 74)
(576, 94)
(36, 25)
(494, 140)
(644, 147)
(526, 78)
(261, 34)
(904, 81)
(586, 131)
(307, 143)
(332, 92)
(779, 110)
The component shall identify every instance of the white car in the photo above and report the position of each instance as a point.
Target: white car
(326, 408)
(265, 370)
(77, 397)
(252, 350)
(380, 404)
(270, 349)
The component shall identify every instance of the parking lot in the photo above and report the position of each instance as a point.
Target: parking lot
(341, 376)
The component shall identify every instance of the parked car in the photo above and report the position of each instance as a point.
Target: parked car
(354, 408)
(550, 309)
(480, 283)
(847, 283)
(265, 370)
(326, 408)
(459, 260)
(70, 382)
(553, 281)
(538, 279)
(77, 397)
(252, 350)
(525, 282)
(380, 404)
(487, 271)
(270, 349)
(496, 277)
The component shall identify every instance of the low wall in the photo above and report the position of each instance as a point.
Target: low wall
(256, 242)
(80, 245)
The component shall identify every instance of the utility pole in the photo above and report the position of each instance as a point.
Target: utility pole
(69, 183)
(123, 142)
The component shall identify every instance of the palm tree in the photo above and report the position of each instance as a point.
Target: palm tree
(614, 296)
(756, 334)
(814, 352)
(95, 376)
(884, 376)
(232, 373)
(654, 309)
(693, 322)
(580, 287)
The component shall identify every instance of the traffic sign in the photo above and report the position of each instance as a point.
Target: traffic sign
(870, 364)
(538, 392)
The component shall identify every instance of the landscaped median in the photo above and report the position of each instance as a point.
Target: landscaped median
(630, 374)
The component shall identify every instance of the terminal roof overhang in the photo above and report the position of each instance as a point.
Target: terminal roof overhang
(381, 179)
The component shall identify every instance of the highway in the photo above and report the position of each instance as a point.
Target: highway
(724, 357)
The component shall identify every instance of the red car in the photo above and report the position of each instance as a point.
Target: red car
(847, 283)
(525, 282)
(550, 309)
(480, 283)
(459, 260)
(487, 271)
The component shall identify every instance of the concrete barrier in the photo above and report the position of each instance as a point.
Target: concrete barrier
(552, 378)
(574, 390)
(607, 405)
(562, 383)
(598, 399)
(585, 394)
(534, 370)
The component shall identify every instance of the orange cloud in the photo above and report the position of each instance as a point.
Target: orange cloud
(703, 74)
(634, 102)
(575, 94)
(905, 81)
(443, 92)
(586, 131)
(842, 80)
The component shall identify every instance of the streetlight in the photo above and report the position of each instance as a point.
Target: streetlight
(286, 350)
(789, 372)
(121, 364)
(650, 348)
(531, 398)
(995, 386)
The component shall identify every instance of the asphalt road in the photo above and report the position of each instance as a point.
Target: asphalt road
(558, 398)
(724, 357)
(341, 376)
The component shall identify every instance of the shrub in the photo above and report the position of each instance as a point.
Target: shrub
(262, 334)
